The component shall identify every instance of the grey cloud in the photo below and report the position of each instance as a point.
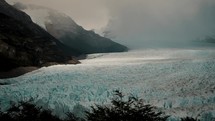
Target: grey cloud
(90, 14)
(141, 22)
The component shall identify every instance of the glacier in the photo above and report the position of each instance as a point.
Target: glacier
(181, 82)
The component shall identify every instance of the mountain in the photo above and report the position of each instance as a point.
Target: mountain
(68, 32)
(23, 43)
(209, 39)
(207, 42)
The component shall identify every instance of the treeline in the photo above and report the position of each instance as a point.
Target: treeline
(121, 109)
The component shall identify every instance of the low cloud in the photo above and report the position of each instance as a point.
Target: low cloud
(90, 14)
(141, 23)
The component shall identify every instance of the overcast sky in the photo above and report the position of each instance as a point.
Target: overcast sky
(141, 22)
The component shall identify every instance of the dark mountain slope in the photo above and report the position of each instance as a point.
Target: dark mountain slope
(68, 32)
(23, 43)
(73, 35)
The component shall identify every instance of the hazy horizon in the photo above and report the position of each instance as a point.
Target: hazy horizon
(141, 23)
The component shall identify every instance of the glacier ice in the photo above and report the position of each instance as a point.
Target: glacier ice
(179, 81)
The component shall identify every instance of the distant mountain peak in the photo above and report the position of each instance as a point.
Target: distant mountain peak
(23, 43)
(71, 34)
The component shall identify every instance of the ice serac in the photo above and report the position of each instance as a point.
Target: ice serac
(181, 82)
(23, 43)
(68, 32)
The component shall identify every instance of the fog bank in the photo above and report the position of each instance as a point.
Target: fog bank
(141, 23)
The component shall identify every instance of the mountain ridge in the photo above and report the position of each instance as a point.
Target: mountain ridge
(23, 43)
(69, 32)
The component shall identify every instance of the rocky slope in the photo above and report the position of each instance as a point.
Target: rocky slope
(68, 32)
(23, 43)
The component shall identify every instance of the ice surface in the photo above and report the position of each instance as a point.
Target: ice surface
(180, 81)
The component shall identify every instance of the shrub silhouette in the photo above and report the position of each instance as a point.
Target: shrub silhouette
(132, 109)
(72, 117)
(26, 111)
(189, 119)
(121, 109)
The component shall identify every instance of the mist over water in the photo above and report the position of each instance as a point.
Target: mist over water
(141, 23)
